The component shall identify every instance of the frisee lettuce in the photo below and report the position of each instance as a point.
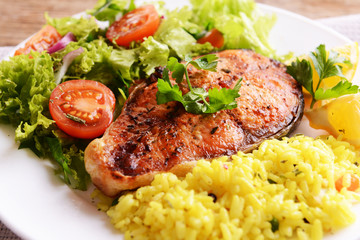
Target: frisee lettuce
(81, 27)
(241, 23)
(71, 162)
(177, 31)
(116, 68)
(107, 10)
(25, 87)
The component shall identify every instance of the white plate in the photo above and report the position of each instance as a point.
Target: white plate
(36, 205)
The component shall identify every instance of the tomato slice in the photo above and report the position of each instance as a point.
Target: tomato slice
(82, 108)
(134, 26)
(41, 41)
(214, 37)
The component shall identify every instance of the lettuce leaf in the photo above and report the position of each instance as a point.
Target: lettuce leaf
(107, 10)
(81, 27)
(153, 54)
(99, 62)
(178, 40)
(242, 24)
(25, 87)
(116, 68)
(26, 84)
(177, 31)
(206, 12)
(72, 164)
(122, 62)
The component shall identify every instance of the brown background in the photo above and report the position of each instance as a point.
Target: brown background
(21, 18)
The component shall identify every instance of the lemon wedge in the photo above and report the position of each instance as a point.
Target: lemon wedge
(351, 53)
(340, 117)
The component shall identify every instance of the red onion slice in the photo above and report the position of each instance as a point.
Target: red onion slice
(62, 43)
(67, 60)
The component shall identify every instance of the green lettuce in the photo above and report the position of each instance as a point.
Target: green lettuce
(25, 87)
(242, 24)
(177, 31)
(107, 10)
(81, 27)
(152, 54)
(99, 62)
(206, 12)
(71, 161)
(26, 84)
(116, 68)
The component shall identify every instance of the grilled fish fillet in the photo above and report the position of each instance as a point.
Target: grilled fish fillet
(147, 138)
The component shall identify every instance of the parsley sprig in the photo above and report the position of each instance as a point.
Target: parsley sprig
(325, 67)
(197, 100)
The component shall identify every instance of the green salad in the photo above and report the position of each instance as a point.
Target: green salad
(28, 80)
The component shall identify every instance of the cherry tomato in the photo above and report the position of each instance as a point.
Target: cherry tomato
(134, 26)
(354, 183)
(214, 37)
(41, 41)
(82, 108)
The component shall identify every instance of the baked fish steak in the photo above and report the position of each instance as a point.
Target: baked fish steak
(148, 138)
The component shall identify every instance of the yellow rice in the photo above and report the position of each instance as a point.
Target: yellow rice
(283, 190)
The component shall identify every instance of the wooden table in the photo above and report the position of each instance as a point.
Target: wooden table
(21, 18)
